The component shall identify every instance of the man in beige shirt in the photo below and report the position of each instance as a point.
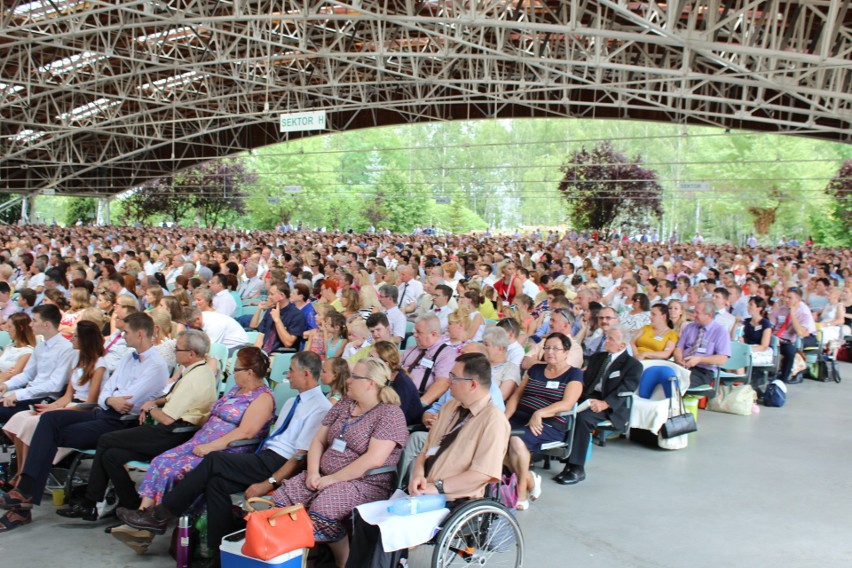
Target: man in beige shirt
(464, 452)
(174, 418)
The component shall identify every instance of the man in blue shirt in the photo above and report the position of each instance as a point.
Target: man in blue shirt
(283, 324)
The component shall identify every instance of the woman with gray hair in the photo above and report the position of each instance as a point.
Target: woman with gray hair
(504, 373)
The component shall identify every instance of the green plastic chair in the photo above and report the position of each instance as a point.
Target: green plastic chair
(740, 359)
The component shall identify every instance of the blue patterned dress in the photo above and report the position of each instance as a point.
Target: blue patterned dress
(171, 466)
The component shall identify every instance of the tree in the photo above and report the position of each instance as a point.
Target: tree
(157, 197)
(84, 209)
(840, 189)
(603, 186)
(13, 213)
(217, 189)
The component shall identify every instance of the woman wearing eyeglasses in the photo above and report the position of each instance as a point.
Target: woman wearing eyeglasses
(546, 390)
(363, 431)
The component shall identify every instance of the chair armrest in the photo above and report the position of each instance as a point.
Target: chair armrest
(185, 429)
(380, 470)
(87, 406)
(241, 443)
(129, 417)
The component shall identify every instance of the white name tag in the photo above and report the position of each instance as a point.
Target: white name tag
(758, 328)
(338, 445)
(428, 363)
(782, 319)
(657, 338)
(615, 374)
(432, 451)
(552, 385)
(701, 350)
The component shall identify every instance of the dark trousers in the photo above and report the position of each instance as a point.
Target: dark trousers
(7, 412)
(117, 448)
(699, 376)
(788, 353)
(583, 426)
(63, 428)
(217, 476)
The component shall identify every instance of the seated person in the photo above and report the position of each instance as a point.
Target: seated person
(364, 431)
(757, 332)
(186, 404)
(560, 322)
(409, 398)
(609, 373)
(84, 386)
(656, 340)
(790, 321)
(335, 373)
(428, 363)
(46, 372)
(505, 374)
(282, 324)
(218, 327)
(464, 452)
(17, 354)
(703, 346)
(140, 377)
(219, 474)
(546, 390)
(379, 328)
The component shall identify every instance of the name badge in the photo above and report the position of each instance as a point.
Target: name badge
(428, 363)
(615, 374)
(758, 328)
(432, 451)
(338, 445)
(552, 385)
(701, 350)
(657, 338)
(782, 319)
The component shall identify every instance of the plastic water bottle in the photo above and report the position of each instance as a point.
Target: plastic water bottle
(182, 552)
(418, 504)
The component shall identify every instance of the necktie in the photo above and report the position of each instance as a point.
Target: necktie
(463, 414)
(602, 373)
(694, 347)
(402, 294)
(283, 424)
(601, 344)
(269, 340)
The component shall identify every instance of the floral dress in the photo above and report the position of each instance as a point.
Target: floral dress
(331, 507)
(171, 466)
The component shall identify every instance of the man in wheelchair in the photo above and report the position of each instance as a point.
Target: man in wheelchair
(464, 452)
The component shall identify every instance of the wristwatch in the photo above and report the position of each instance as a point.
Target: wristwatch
(439, 485)
(274, 482)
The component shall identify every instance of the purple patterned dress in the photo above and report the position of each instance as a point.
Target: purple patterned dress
(171, 466)
(332, 506)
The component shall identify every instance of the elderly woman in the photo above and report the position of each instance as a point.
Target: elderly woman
(505, 374)
(639, 315)
(363, 431)
(546, 390)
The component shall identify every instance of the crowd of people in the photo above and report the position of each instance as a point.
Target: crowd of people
(422, 349)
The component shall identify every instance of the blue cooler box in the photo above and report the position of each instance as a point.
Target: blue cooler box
(231, 555)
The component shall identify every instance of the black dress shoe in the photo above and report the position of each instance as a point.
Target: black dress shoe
(79, 511)
(570, 477)
(142, 519)
(795, 379)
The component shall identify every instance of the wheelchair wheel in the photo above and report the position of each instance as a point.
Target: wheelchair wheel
(479, 533)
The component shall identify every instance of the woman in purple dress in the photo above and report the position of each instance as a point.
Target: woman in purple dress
(363, 431)
(245, 412)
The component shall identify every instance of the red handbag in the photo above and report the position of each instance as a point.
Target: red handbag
(276, 531)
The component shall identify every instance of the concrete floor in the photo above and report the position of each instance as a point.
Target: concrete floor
(772, 489)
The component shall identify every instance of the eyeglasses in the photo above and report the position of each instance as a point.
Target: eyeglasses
(360, 378)
(236, 369)
(185, 350)
(455, 378)
(553, 349)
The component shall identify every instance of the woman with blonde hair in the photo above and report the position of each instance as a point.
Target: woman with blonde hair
(368, 292)
(409, 398)
(335, 372)
(163, 340)
(79, 302)
(153, 296)
(172, 305)
(351, 302)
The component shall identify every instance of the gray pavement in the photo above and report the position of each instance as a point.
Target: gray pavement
(772, 489)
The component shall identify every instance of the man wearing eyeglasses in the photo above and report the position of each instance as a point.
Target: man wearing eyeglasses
(703, 346)
(607, 317)
(560, 321)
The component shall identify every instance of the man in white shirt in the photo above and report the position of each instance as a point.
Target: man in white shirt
(528, 287)
(409, 289)
(46, 373)
(140, 377)
(388, 298)
(252, 287)
(219, 328)
(441, 299)
(223, 302)
(723, 317)
(220, 474)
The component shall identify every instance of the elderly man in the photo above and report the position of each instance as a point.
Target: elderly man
(703, 346)
(223, 302)
(140, 377)
(610, 372)
(388, 297)
(279, 457)
(464, 452)
(791, 321)
(186, 405)
(252, 286)
(428, 363)
(46, 373)
(409, 289)
(218, 327)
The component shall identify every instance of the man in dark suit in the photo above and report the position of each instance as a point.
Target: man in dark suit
(610, 372)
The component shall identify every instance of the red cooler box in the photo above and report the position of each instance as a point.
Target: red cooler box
(231, 555)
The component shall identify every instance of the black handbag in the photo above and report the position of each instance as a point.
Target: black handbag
(678, 424)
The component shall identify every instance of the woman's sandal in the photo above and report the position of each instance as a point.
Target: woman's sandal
(522, 505)
(15, 518)
(535, 492)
